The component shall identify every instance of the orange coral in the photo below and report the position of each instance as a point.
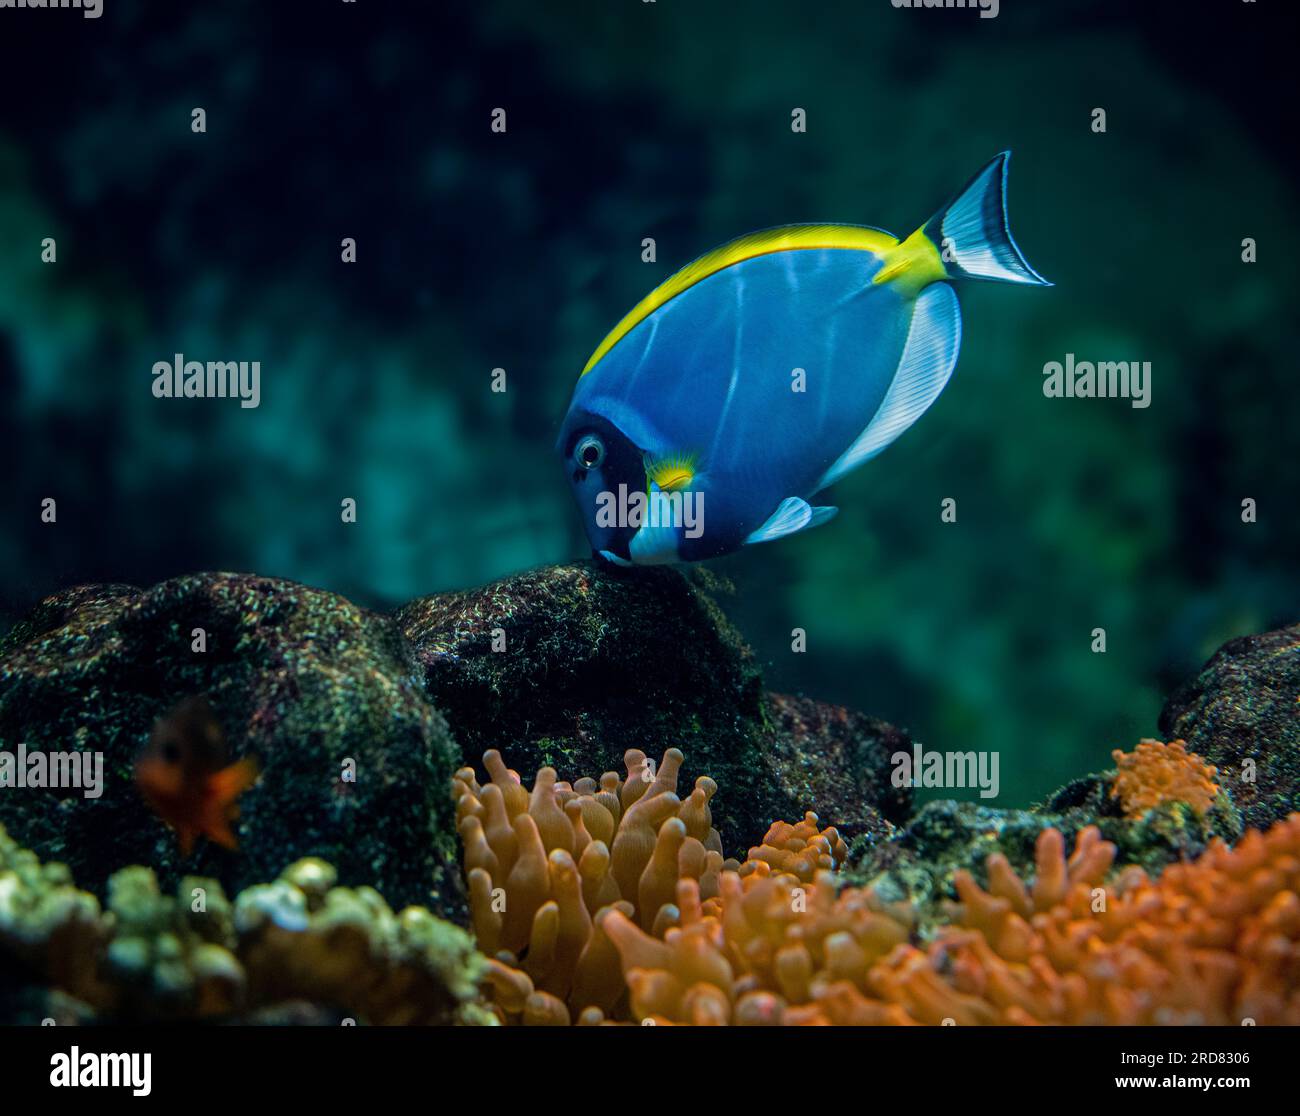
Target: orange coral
(601, 901)
(540, 864)
(777, 951)
(543, 866)
(1156, 773)
(798, 850)
(1215, 942)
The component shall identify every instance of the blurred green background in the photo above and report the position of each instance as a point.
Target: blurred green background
(672, 120)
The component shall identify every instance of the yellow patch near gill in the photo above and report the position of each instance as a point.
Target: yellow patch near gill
(781, 239)
(671, 473)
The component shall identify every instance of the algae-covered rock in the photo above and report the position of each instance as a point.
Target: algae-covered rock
(300, 678)
(838, 762)
(568, 666)
(916, 864)
(1242, 714)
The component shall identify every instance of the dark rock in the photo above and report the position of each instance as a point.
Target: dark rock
(838, 761)
(301, 678)
(294, 1013)
(27, 1000)
(594, 660)
(917, 864)
(1245, 705)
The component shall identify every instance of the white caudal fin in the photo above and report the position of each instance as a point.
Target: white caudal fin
(973, 234)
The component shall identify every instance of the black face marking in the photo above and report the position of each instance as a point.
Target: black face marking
(613, 461)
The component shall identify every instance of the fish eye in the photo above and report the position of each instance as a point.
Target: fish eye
(589, 452)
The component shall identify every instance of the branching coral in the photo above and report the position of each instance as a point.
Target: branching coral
(170, 957)
(1155, 773)
(777, 951)
(196, 955)
(664, 932)
(609, 900)
(304, 938)
(799, 850)
(55, 929)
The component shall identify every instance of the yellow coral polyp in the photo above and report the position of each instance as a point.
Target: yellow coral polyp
(1156, 773)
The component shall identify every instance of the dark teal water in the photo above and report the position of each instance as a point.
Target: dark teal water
(519, 251)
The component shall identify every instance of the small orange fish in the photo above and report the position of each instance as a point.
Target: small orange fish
(182, 775)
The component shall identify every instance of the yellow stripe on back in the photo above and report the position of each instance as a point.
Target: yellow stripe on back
(783, 238)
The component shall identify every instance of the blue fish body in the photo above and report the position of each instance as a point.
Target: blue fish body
(767, 369)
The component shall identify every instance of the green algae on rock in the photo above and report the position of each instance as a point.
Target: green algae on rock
(917, 863)
(1244, 705)
(567, 665)
(302, 678)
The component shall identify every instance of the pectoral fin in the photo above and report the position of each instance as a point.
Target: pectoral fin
(791, 516)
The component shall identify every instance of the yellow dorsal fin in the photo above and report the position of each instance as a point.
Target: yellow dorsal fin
(780, 239)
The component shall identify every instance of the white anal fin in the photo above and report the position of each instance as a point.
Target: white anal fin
(792, 516)
(928, 359)
(655, 544)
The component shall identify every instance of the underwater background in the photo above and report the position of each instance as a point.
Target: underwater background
(479, 251)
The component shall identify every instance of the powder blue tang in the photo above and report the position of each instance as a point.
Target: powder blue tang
(770, 367)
